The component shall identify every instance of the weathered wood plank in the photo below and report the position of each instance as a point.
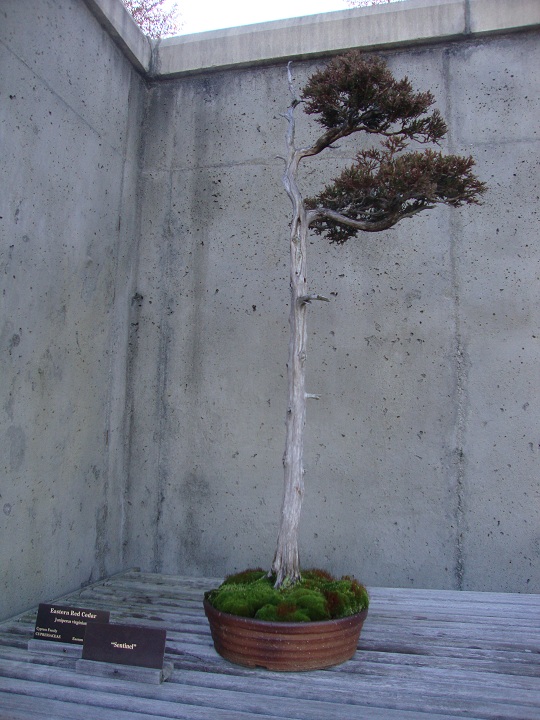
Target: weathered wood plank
(453, 596)
(423, 655)
(23, 707)
(506, 663)
(192, 702)
(20, 707)
(344, 690)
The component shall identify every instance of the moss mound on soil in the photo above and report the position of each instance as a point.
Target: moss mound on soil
(318, 596)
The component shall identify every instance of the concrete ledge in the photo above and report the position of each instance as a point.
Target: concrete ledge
(409, 22)
(401, 23)
(405, 23)
(492, 16)
(125, 32)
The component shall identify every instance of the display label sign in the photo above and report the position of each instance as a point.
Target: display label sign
(66, 624)
(125, 645)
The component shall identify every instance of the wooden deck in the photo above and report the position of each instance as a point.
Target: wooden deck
(422, 654)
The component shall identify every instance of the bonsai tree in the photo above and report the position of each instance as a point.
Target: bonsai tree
(386, 183)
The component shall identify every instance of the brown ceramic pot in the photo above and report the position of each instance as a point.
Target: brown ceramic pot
(284, 645)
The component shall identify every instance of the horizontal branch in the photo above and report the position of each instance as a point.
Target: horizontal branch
(365, 225)
(312, 396)
(329, 138)
(303, 299)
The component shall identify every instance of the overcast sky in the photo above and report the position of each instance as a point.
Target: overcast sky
(215, 14)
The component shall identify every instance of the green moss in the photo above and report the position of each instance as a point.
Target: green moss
(267, 612)
(316, 575)
(296, 616)
(311, 601)
(318, 596)
(244, 599)
(245, 577)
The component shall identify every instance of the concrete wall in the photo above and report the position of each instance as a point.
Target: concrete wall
(422, 453)
(69, 132)
(143, 332)
(414, 22)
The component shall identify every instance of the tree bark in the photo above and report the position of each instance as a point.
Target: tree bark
(286, 564)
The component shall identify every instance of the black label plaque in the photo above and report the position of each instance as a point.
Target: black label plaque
(66, 624)
(125, 645)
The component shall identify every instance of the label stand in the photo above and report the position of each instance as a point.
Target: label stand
(51, 647)
(133, 673)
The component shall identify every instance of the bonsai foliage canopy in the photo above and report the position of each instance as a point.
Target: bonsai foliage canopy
(355, 93)
(385, 184)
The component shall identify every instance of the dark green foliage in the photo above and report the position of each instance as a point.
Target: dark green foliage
(318, 596)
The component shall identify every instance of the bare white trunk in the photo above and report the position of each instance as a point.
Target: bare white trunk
(286, 564)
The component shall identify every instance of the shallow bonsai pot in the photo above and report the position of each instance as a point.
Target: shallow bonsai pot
(284, 645)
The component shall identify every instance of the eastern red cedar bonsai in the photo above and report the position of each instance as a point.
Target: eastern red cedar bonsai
(355, 93)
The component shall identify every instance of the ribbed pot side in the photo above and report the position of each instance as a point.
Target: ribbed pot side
(282, 645)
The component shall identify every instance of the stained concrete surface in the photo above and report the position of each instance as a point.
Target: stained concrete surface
(70, 135)
(144, 325)
(421, 452)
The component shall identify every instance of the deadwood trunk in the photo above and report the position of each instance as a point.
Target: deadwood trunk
(286, 564)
